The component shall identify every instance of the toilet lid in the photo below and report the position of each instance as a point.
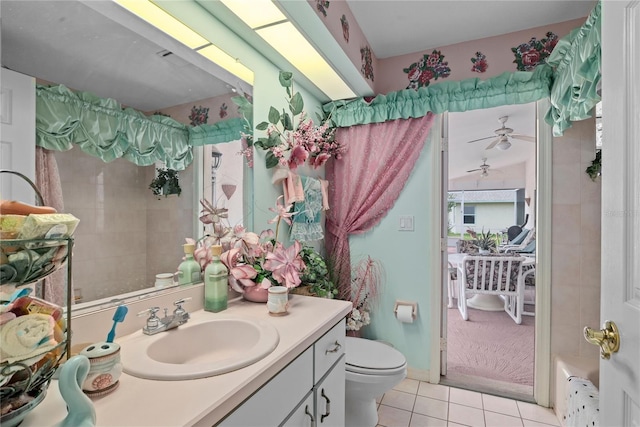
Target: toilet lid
(367, 355)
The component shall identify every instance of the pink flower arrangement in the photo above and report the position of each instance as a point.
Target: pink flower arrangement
(293, 138)
(252, 260)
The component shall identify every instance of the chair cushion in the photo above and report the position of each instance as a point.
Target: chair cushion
(470, 266)
(520, 237)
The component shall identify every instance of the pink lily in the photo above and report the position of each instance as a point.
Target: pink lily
(283, 214)
(239, 274)
(286, 264)
(298, 156)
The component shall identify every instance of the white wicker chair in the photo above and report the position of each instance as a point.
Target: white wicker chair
(493, 275)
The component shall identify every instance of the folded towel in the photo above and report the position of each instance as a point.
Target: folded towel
(582, 403)
(27, 338)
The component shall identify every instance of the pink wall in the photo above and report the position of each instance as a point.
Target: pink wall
(181, 113)
(388, 74)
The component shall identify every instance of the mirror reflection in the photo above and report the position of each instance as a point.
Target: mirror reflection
(127, 234)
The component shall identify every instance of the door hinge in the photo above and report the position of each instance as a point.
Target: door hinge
(445, 144)
(443, 244)
(443, 344)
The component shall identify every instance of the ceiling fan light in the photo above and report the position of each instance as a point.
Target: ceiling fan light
(504, 144)
(484, 174)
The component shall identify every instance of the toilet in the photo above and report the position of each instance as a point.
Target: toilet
(372, 369)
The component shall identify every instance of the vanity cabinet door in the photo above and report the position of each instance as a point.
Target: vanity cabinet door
(330, 397)
(304, 415)
(270, 405)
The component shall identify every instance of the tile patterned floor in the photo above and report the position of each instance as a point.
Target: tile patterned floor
(415, 403)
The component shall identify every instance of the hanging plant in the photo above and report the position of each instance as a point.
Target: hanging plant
(595, 170)
(165, 183)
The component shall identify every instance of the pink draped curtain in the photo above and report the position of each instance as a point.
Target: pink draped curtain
(48, 183)
(367, 181)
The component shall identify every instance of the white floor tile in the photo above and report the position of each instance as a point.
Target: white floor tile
(493, 419)
(533, 412)
(466, 415)
(452, 424)
(431, 407)
(434, 391)
(465, 397)
(418, 420)
(399, 399)
(530, 423)
(408, 386)
(500, 405)
(393, 417)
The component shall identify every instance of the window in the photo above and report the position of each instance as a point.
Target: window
(469, 215)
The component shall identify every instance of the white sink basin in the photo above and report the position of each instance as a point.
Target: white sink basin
(198, 349)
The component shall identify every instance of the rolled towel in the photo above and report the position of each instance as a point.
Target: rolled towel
(27, 338)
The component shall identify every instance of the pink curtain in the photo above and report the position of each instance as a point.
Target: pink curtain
(367, 181)
(48, 183)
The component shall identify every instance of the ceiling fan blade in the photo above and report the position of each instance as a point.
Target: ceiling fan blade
(473, 170)
(523, 137)
(481, 139)
(493, 144)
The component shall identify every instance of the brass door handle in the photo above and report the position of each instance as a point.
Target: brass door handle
(608, 339)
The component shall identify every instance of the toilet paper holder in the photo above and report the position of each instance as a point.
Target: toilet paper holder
(413, 305)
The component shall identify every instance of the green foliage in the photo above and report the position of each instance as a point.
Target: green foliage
(316, 274)
(165, 183)
(486, 241)
(595, 170)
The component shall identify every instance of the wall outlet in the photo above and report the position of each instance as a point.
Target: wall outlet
(406, 223)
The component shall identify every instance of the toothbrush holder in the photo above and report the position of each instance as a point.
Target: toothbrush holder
(105, 369)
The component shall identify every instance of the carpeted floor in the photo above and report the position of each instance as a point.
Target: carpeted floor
(490, 345)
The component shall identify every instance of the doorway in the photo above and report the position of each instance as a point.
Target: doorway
(490, 185)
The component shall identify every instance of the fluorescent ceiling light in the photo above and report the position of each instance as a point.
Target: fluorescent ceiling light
(165, 22)
(255, 13)
(290, 43)
(264, 17)
(216, 55)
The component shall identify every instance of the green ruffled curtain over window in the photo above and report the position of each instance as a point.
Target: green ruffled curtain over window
(101, 127)
(520, 87)
(576, 61)
(569, 79)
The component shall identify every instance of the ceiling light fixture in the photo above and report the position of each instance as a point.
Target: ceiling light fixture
(484, 174)
(504, 143)
(162, 20)
(264, 17)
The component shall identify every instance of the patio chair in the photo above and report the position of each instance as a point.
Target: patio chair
(451, 279)
(529, 249)
(520, 242)
(529, 279)
(499, 276)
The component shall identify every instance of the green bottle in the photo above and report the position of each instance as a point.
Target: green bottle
(189, 269)
(216, 279)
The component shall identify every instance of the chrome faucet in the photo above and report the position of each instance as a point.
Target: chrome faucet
(156, 324)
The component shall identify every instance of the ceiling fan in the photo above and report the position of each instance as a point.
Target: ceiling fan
(503, 134)
(484, 167)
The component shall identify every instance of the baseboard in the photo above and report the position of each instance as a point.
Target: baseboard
(418, 374)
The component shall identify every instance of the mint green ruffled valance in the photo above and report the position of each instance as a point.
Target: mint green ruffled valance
(576, 61)
(519, 87)
(102, 128)
(223, 131)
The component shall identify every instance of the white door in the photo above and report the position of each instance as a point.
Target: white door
(18, 135)
(620, 300)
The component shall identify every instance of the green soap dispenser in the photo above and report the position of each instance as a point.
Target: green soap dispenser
(189, 269)
(216, 279)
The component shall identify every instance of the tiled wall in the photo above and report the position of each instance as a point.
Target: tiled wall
(575, 243)
(126, 235)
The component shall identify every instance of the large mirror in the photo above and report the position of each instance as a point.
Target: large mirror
(127, 234)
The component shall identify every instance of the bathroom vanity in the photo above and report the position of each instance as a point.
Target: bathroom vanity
(303, 378)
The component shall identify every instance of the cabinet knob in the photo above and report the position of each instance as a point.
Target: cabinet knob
(313, 420)
(336, 346)
(327, 407)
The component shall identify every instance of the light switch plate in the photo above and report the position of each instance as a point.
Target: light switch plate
(406, 223)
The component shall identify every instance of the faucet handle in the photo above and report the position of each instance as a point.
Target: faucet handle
(179, 311)
(153, 321)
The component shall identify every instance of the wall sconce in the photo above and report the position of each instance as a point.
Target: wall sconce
(216, 159)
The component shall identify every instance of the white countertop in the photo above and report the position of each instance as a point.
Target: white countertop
(204, 402)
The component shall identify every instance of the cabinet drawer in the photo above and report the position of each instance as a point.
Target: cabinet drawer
(328, 349)
(273, 402)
